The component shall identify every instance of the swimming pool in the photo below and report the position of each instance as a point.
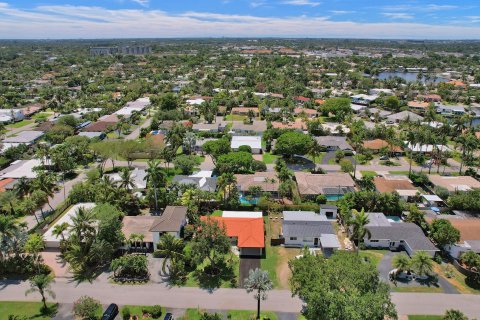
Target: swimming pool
(334, 197)
(248, 201)
(393, 219)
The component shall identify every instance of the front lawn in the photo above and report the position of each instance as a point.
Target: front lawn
(29, 310)
(368, 174)
(18, 124)
(138, 311)
(269, 158)
(195, 314)
(374, 256)
(236, 117)
(458, 280)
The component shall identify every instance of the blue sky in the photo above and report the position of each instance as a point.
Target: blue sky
(413, 19)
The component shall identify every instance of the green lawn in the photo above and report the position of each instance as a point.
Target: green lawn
(137, 311)
(194, 314)
(269, 158)
(30, 310)
(41, 115)
(373, 255)
(318, 160)
(425, 317)
(270, 262)
(368, 173)
(217, 213)
(421, 289)
(19, 124)
(236, 117)
(332, 161)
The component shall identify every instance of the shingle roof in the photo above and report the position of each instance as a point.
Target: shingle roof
(408, 232)
(452, 183)
(203, 183)
(391, 185)
(262, 179)
(138, 225)
(24, 137)
(314, 184)
(334, 141)
(171, 219)
(307, 229)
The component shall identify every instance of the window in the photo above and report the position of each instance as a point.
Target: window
(373, 240)
(293, 238)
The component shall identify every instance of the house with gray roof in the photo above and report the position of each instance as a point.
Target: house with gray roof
(172, 221)
(307, 228)
(388, 234)
(25, 137)
(333, 143)
(201, 180)
(404, 116)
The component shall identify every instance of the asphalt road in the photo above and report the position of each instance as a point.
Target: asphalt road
(225, 299)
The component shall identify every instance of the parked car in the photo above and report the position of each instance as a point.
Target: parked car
(384, 158)
(111, 312)
(168, 316)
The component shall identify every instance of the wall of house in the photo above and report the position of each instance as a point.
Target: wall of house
(377, 243)
(251, 251)
(156, 237)
(300, 241)
(456, 250)
(323, 212)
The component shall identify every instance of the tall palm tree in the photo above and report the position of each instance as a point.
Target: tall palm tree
(46, 182)
(259, 282)
(225, 181)
(126, 179)
(42, 284)
(314, 151)
(171, 248)
(359, 222)
(422, 263)
(59, 229)
(401, 262)
(9, 227)
(22, 187)
(83, 223)
(155, 177)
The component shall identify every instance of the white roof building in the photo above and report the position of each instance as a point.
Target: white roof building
(21, 168)
(254, 142)
(52, 241)
(137, 105)
(242, 214)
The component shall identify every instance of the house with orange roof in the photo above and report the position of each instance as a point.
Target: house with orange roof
(310, 113)
(244, 111)
(418, 106)
(457, 83)
(298, 124)
(248, 234)
(430, 98)
(6, 184)
(301, 99)
(378, 144)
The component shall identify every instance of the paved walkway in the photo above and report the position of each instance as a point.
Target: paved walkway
(225, 299)
(136, 132)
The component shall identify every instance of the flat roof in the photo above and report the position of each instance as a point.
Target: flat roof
(21, 168)
(24, 137)
(329, 240)
(303, 216)
(242, 214)
(254, 142)
(66, 218)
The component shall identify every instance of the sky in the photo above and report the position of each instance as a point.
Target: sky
(382, 19)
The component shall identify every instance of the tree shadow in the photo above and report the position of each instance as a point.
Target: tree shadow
(210, 278)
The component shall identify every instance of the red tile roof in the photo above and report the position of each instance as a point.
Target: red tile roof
(248, 231)
(302, 99)
(4, 182)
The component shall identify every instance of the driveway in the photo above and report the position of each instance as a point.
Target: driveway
(247, 264)
(385, 266)
(136, 132)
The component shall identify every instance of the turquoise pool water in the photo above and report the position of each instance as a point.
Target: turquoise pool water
(394, 218)
(246, 201)
(334, 197)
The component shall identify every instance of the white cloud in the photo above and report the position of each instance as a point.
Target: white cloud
(97, 22)
(302, 3)
(419, 8)
(256, 4)
(143, 3)
(341, 11)
(398, 15)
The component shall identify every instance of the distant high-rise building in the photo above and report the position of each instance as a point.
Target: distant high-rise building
(125, 50)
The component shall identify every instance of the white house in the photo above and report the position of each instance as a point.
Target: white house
(52, 241)
(11, 115)
(307, 228)
(254, 142)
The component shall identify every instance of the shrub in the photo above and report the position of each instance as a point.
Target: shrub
(86, 307)
(321, 199)
(154, 311)
(126, 313)
(245, 149)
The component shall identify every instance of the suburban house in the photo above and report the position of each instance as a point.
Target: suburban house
(137, 175)
(329, 211)
(389, 234)
(267, 181)
(404, 116)
(332, 143)
(133, 106)
(202, 180)
(254, 142)
(454, 183)
(450, 111)
(21, 168)
(172, 221)
(426, 148)
(255, 128)
(51, 240)
(379, 144)
(307, 228)
(93, 135)
(27, 138)
(138, 226)
(208, 127)
(378, 91)
(333, 185)
(11, 115)
(245, 110)
(335, 128)
(247, 234)
(310, 113)
(430, 98)
(298, 125)
(469, 236)
(381, 114)
(418, 106)
(364, 99)
(396, 183)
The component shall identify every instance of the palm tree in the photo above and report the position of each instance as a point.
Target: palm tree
(171, 248)
(401, 262)
(9, 228)
(259, 282)
(41, 283)
(22, 187)
(422, 263)
(359, 222)
(59, 229)
(126, 179)
(225, 181)
(155, 177)
(83, 223)
(46, 182)
(314, 151)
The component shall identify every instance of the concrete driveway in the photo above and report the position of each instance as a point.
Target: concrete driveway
(247, 264)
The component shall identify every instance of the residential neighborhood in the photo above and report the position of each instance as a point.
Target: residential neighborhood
(239, 179)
